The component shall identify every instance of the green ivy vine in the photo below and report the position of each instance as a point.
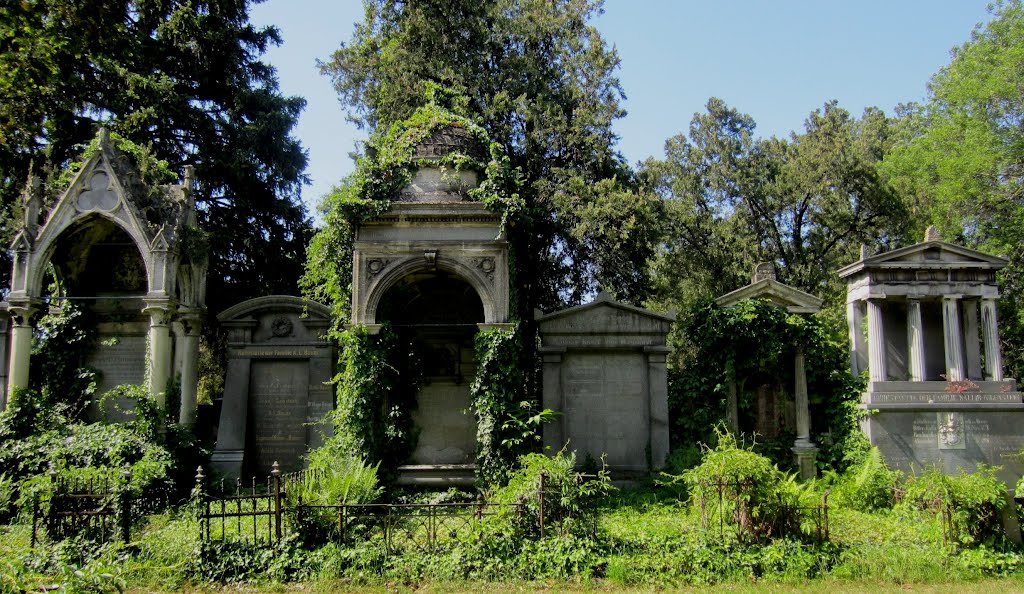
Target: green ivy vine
(508, 419)
(376, 395)
(756, 338)
(388, 165)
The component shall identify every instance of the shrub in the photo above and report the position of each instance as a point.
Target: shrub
(974, 502)
(570, 499)
(334, 477)
(868, 485)
(762, 499)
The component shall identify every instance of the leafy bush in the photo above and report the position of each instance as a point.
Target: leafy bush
(974, 501)
(333, 477)
(570, 499)
(868, 485)
(750, 491)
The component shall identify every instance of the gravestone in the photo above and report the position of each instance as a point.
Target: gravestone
(120, 358)
(276, 395)
(604, 371)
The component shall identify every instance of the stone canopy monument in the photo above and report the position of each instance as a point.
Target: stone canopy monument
(765, 286)
(604, 371)
(123, 249)
(923, 325)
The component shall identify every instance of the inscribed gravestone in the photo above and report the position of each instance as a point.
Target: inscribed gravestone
(604, 370)
(276, 395)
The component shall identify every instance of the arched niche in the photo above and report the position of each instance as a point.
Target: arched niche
(412, 268)
(439, 315)
(114, 240)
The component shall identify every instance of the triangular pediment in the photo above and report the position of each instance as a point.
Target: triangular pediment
(606, 316)
(793, 299)
(931, 255)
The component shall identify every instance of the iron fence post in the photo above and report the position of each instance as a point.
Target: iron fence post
(540, 502)
(276, 473)
(124, 507)
(201, 506)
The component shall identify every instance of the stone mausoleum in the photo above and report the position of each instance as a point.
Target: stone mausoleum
(119, 247)
(923, 325)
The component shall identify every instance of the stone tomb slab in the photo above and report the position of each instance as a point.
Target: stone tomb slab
(277, 413)
(276, 395)
(119, 359)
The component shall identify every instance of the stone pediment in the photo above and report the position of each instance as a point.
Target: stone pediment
(604, 323)
(927, 255)
(793, 299)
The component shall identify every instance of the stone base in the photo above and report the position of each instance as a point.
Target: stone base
(806, 457)
(438, 475)
(921, 425)
(227, 463)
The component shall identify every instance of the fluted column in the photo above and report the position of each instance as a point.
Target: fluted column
(953, 338)
(854, 321)
(915, 341)
(21, 347)
(990, 338)
(972, 345)
(877, 371)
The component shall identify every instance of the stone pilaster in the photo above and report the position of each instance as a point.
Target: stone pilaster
(877, 371)
(733, 405)
(990, 338)
(657, 398)
(915, 341)
(189, 370)
(953, 338)
(553, 433)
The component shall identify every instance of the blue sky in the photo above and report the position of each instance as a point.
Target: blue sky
(776, 60)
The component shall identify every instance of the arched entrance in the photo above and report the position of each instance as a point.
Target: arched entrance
(438, 314)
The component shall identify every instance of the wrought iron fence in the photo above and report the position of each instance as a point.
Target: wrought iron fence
(264, 512)
(252, 513)
(96, 508)
(732, 504)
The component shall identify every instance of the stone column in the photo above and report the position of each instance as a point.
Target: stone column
(189, 370)
(953, 338)
(657, 395)
(877, 371)
(732, 405)
(972, 347)
(990, 338)
(915, 341)
(803, 448)
(854, 322)
(4, 323)
(159, 363)
(21, 346)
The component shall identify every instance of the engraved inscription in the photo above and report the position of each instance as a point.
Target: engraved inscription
(277, 409)
(943, 397)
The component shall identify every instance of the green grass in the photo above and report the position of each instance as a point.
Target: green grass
(649, 542)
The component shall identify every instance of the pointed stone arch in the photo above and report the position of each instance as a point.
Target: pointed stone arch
(109, 186)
